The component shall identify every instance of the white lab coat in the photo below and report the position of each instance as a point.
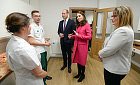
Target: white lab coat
(22, 58)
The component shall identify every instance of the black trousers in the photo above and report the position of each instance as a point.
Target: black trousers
(112, 79)
(81, 69)
(66, 52)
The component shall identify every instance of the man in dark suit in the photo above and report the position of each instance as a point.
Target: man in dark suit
(66, 26)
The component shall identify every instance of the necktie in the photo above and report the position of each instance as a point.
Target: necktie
(64, 25)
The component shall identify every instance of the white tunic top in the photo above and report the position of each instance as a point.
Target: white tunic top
(117, 50)
(22, 58)
(37, 32)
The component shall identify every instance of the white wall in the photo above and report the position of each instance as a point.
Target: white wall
(9, 6)
(107, 3)
(35, 4)
(26, 1)
(51, 11)
(135, 5)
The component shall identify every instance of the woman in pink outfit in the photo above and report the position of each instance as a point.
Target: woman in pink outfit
(80, 50)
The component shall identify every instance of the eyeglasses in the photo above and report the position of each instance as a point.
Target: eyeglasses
(36, 16)
(114, 16)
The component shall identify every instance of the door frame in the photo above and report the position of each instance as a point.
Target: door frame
(95, 48)
(79, 9)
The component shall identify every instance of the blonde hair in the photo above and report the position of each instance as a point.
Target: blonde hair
(125, 16)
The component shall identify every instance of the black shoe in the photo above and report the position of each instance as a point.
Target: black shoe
(77, 76)
(48, 78)
(69, 70)
(63, 68)
(81, 78)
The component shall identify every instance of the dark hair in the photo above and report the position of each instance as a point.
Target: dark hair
(83, 22)
(34, 11)
(15, 21)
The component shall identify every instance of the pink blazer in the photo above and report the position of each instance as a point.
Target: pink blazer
(80, 49)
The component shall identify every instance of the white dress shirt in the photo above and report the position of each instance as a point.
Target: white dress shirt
(117, 50)
(65, 23)
(22, 58)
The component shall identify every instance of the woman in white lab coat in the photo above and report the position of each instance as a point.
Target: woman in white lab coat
(117, 48)
(23, 59)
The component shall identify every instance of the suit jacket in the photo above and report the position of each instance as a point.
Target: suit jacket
(68, 30)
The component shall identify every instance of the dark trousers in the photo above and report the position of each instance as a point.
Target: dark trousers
(44, 63)
(66, 52)
(112, 79)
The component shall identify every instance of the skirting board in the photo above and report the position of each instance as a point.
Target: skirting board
(135, 63)
(135, 66)
(55, 55)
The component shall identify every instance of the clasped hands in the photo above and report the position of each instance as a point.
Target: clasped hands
(100, 58)
(47, 43)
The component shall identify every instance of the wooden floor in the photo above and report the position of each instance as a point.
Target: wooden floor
(94, 74)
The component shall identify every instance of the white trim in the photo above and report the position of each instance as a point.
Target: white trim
(137, 64)
(55, 55)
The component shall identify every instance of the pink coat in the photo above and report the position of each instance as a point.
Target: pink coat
(80, 49)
